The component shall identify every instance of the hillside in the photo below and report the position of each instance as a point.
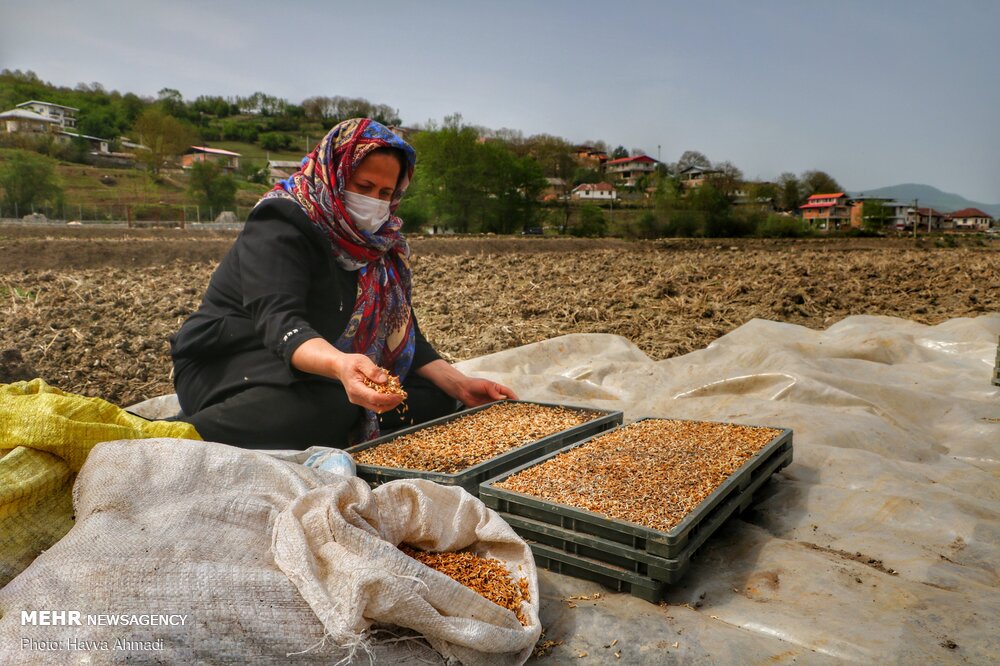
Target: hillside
(927, 195)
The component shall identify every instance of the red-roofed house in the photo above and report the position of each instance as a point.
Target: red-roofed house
(828, 212)
(971, 219)
(630, 169)
(590, 157)
(594, 192)
(225, 158)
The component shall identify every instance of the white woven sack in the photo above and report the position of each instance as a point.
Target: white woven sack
(338, 545)
(170, 527)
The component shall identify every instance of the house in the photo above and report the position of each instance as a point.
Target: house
(858, 206)
(594, 192)
(227, 159)
(22, 121)
(927, 219)
(64, 115)
(971, 219)
(755, 194)
(629, 170)
(695, 176)
(590, 157)
(555, 189)
(278, 170)
(97, 144)
(827, 212)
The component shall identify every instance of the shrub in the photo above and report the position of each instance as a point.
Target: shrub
(783, 226)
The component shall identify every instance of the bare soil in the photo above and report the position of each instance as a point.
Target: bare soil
(90, 309)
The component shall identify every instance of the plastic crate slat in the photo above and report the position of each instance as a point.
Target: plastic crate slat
(631, 534)
(609, 576)
(642, 562)
(471, 477)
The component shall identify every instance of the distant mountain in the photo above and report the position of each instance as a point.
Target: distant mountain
(945, 202)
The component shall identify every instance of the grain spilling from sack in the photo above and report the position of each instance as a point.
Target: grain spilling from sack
(471, 439)
(651, 472)
(486, 576)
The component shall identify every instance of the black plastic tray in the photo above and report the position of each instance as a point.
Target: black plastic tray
(639, 537)
(640, 562)
(471, 477)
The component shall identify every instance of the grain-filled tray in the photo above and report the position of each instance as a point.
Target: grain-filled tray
(640, 485)
(632, 566)
(471, 446)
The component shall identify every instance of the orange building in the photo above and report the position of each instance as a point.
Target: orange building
(827, 212)
(225, 158)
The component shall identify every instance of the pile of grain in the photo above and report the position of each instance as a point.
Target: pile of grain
(652, 472)
(486, 576)
(474, 438)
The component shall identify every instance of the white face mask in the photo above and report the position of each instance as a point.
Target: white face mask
(367, 213)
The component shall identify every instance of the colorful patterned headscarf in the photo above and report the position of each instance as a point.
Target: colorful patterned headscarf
(381, 326)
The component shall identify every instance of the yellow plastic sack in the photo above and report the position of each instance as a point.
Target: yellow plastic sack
(45, 436)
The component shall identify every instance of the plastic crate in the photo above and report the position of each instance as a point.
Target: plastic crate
(616, 578)
(996, 368)
(471, 477)
(670, 544)
(657, 569)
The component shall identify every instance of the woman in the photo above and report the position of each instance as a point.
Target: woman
(313, 298)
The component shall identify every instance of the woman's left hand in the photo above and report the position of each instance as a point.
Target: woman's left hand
(474, 392)
(471, 391)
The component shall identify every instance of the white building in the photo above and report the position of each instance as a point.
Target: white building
(279, 170)
(23, 121)
(594, 192)
(64, 115)
(630, 169)
(971, 219)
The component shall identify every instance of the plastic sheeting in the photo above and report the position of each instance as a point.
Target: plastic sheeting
(878, 544)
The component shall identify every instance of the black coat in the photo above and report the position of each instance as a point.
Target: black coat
(277, 287)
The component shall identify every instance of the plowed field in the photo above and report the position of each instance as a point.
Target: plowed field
(90, 309)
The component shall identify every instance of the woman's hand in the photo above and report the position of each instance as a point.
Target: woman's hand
(471, 391)
(351, 369)
(321, 358)
(474, 392)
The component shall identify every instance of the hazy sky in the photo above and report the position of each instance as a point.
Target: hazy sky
(876, 93)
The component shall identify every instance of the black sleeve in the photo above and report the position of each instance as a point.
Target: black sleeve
(423, 352)
(275, 259)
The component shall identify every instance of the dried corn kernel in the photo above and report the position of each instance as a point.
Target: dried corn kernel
(651, 472)
(469, 440)
(486, 576)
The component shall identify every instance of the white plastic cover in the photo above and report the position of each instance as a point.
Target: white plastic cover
(878, 544)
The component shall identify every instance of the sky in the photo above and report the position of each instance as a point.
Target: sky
(876, 93)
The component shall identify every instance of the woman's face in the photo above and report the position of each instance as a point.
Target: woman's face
(375, 177)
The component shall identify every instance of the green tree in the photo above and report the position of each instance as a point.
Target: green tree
(29, 180)
(583, 175)
(818, 182)
(619, 153)
(449, 168)
(591, 222)
(211, 187)
(275, 141)
(692, 158)
(791, 192)
(874, 216)
(165, 136)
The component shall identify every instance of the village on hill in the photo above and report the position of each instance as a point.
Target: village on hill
(576, 192)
